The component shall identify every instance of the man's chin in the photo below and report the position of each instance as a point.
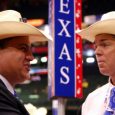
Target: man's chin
(103, 72)
(26, 77)
(26, 80)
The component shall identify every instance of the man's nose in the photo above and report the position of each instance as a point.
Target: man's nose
(98, 50)
(30, 56)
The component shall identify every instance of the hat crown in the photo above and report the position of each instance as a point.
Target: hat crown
(109, 15)
(10, 15)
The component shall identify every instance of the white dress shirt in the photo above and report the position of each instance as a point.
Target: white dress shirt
(7, 84)
(97, 101)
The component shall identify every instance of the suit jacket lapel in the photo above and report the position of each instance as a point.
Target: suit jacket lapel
(12, 99)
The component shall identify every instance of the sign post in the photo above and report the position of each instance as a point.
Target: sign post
(62, 74)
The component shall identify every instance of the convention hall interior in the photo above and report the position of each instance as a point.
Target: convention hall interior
(34, 93)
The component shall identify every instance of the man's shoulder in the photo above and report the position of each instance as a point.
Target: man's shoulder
(99, 91)
(95, 101)
(97, 95)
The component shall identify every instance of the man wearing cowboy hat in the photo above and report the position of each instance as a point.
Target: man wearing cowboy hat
(15, 56)
(102, 33)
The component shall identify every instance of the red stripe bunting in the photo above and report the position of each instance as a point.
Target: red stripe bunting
(78, 51)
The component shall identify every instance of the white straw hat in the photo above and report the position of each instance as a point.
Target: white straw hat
(11, 25)
(105, 25)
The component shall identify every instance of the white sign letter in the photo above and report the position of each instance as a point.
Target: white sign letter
(64, 28)
(66, 81)
(65, 52)
(62, 6)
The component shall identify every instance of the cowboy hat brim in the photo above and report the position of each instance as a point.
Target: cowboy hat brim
(12, 29)
(100, 27)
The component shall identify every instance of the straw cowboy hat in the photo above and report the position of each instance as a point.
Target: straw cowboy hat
(11, 25)
(105, 25)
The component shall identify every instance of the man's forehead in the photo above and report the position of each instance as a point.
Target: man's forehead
(104, 37)
(22, 39)
(15, 41)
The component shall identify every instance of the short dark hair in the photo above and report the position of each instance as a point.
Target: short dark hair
(3, 42)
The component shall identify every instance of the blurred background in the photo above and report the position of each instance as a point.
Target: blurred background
(34, 93)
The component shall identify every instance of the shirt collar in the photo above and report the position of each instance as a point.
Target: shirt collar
(7, 84)
(110, 84)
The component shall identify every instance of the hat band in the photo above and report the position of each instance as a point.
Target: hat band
(23, 20)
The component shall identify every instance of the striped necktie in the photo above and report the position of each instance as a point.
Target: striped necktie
(111, 107)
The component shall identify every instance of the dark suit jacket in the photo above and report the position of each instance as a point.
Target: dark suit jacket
(10, 105)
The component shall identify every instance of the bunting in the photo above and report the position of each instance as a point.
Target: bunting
(78, 50)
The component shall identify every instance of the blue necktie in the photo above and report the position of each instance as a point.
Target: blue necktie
(111, 106)
(15, 95)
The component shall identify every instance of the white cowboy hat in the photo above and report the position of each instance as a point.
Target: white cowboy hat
(11, 25)
(105, 25)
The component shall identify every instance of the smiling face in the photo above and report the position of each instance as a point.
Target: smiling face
(15, 59)
(105, 53)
